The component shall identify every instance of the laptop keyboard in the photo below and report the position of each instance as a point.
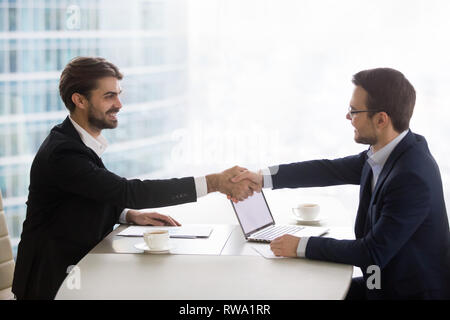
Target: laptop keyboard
(274, 232)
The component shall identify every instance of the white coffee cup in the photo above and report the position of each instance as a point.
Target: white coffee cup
(157, 240)
(307, 211)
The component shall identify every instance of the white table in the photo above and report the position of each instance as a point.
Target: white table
(224, 266)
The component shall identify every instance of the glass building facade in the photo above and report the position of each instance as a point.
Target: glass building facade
(145, 39)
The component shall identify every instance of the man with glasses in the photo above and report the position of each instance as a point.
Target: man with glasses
(401, 226)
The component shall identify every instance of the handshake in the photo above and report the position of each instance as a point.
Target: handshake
(237, 183)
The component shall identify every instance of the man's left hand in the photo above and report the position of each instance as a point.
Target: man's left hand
(286, 245)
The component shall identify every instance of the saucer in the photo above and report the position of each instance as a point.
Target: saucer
(143, 246)
(315, 221)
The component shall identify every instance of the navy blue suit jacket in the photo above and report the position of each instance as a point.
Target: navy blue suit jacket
(401, 226)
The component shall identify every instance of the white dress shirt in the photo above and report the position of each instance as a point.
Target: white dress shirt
(99, 145)
(376, 161)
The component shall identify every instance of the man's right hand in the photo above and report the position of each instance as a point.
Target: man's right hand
(256, 177)
(223, 183)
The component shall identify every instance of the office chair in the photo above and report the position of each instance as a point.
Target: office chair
(6, 258)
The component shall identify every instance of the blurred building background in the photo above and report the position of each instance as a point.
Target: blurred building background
(144, 38)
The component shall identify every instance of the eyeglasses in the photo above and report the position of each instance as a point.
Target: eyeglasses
(353, 112)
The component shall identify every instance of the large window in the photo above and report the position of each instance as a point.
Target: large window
(270, 81)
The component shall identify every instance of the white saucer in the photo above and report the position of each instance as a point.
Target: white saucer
(316, 220)
(143, 246)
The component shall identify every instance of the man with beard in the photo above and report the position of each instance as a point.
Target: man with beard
(74, 201)
(401, 227)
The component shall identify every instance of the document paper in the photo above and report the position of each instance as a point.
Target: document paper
(264, 250)
(189, 232)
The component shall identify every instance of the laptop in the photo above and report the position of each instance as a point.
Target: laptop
(258, 224)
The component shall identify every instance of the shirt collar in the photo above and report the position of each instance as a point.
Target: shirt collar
(98, 145)
(380, 157)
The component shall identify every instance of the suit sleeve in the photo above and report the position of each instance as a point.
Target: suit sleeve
(319, 173)
(406, 205)
(75, 172)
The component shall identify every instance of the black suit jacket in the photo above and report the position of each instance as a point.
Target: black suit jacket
(401, 226)
(73, 203)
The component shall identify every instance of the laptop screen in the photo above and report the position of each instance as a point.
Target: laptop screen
(253, 213)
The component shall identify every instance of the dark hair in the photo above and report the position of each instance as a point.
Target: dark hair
(389, 91)
(81, 75)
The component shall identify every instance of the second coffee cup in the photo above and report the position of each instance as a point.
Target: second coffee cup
(307, 211)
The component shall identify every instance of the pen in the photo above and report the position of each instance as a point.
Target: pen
(182, 236)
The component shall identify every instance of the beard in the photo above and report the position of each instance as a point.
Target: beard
(100, 121)
(366, 139)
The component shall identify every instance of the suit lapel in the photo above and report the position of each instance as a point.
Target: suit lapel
(364, 200)
(67, 128)
(366, 197)
(403, 145)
